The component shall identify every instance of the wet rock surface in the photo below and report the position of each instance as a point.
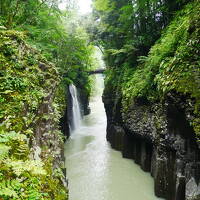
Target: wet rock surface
(161, 140)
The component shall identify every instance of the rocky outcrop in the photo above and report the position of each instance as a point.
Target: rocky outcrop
(65, 119)
(161, 140)
(84, 100)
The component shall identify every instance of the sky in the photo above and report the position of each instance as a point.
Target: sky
(84, 6)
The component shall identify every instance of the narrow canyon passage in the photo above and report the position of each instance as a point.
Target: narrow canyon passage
(97, 172)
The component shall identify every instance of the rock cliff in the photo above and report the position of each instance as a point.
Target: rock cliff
(153, 115)
(160, 139)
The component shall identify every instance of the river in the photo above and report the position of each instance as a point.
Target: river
(97, 172)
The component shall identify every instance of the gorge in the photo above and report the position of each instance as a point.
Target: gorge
(95, 170)
(103, 105)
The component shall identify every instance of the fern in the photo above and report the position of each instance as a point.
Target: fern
(21, 151)
(19, 167)
(8, 187)
(4, 150)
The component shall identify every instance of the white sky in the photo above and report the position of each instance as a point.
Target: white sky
(84, 6)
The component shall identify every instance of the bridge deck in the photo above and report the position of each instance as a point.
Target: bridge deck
(97, 71)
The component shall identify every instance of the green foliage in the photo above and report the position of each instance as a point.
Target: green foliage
(102, 5)
(172, 65)
(58, 35)
(127, 29)
(77, 60)
(33, 93)
(14, 13)
(4, 151)
(27, 79)
(179, 69)
(14, 143)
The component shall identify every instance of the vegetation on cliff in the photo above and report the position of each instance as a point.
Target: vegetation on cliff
(157, 53)
(57, 34)
(28, 105)
(42, 51)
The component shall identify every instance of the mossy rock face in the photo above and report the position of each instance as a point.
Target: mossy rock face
(172, 67)
(30, 140)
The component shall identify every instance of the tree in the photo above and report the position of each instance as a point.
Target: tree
(129, 28)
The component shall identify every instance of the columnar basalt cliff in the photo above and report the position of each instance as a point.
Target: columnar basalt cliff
(160, 139)
(154, 120)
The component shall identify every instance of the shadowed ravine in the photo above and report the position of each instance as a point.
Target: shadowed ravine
(97, 172)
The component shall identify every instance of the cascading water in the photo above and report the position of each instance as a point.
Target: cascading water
(76, 112)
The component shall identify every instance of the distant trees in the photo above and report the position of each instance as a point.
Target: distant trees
(58, 34)
(17, 12)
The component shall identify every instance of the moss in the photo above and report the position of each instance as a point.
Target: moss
(27, 85)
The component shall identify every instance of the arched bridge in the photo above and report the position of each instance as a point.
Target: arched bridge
(96, 71)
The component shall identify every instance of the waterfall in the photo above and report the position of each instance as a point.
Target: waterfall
(76, 112)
